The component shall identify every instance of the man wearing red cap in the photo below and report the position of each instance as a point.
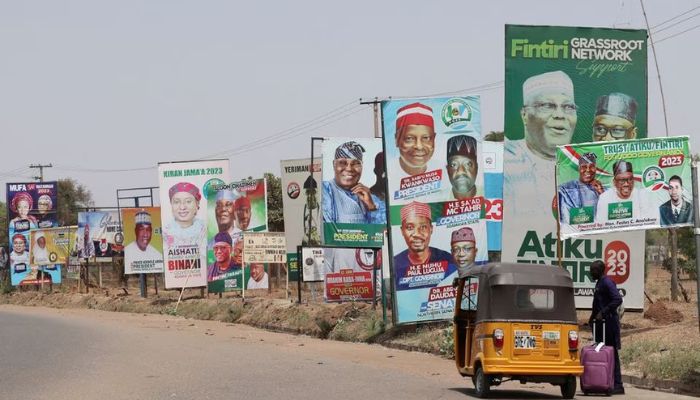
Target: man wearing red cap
(464, 249)
(415, 137)
(420, 265)
(184, 204)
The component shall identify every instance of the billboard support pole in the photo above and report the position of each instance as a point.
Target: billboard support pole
(374, 281)
(559, 244)
(696, 218)
(299, 269)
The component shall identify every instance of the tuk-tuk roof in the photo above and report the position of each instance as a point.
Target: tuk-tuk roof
(523, 274)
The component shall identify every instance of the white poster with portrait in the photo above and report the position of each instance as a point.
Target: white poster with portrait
(187, 192)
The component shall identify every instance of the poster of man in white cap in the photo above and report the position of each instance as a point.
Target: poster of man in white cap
(352, 214)
(143, 251)
(187, 192)
(560, 89)
(436, 186)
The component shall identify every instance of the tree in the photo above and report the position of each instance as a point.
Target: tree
(494, 136)
(275, 215)
(3, 225)
(72, 196)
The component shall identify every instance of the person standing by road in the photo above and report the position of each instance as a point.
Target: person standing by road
(606, 300)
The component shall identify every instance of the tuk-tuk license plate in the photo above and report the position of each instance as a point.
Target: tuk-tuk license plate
(523, 340)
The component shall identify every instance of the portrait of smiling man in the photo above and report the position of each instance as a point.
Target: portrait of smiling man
(345, 199)
(621, 194)
(549, 116)
(548, 113)
(415, 137)
(140, 249)
(583, 192)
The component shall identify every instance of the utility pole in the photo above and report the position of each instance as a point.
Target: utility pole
(41, 167)
(375, 107)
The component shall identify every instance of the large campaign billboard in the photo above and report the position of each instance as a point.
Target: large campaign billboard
(239, 207)
(143, 240)
(567, 85)
(99, 235)
(301, 203)
(625, 185)
(188, 199)
(30, 205)
(433, 149)
(353, 199)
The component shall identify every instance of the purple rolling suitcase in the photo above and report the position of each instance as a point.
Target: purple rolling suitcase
(598, 363)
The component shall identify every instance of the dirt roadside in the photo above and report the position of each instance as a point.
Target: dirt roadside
(662, 328)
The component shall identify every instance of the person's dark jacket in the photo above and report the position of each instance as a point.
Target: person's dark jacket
(606, 300)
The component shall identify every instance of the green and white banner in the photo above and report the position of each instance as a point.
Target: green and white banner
(567, 85)
(624, 185)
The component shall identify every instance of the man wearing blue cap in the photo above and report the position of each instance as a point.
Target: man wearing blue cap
(581, 195)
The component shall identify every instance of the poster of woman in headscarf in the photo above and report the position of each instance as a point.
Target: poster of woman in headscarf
(186, 191)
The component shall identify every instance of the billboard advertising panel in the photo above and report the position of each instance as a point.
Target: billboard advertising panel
(143, 240)
(567, 85)
(437, 208)
(188, 200)
(353, 204)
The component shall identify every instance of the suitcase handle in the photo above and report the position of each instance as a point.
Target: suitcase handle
(595, 323)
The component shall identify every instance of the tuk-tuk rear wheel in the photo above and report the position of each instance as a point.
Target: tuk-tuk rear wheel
(481, 383)
(568, 388)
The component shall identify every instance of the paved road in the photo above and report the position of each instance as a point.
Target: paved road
(83, 354)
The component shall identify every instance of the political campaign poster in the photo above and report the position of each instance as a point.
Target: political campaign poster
(313, 264)
(492, 160)
(188, 200)
(239, 207)
(301, 203)
(30, 205)
(436, 199)
(99, 235)
(143, 240)
(348, 285)
(260, 249)
(567, 85)
(625, 185)
(48, 251)
(353, 199)
(73, 268)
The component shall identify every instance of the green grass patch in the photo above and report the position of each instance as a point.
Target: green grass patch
(662, 361)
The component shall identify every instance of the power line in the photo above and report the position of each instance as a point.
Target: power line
(675, 24)
(484, 87)
(287, 133)
(76, 168)
(677, 16)
(677, 34)
(349, 113)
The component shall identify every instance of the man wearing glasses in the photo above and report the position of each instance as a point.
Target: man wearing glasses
(549, 118)
(462, 168)
(463, 246)
(615, 117)
(622, 201)
(345, 199)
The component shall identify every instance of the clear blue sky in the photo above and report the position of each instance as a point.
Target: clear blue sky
(89, 85)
